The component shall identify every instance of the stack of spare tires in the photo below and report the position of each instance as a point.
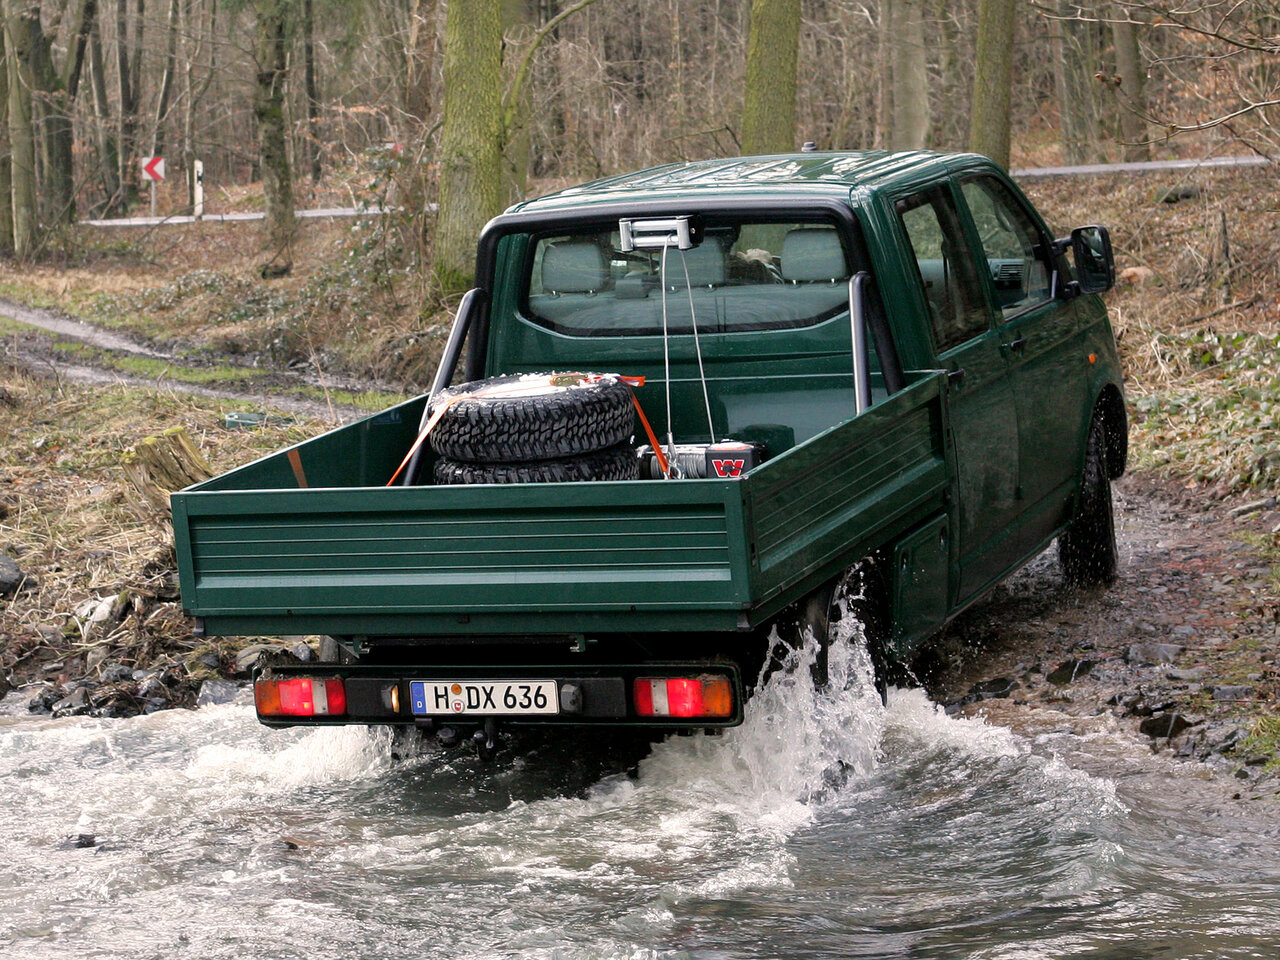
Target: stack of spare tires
(531, 428)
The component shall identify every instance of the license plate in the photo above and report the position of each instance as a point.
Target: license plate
(490, 698)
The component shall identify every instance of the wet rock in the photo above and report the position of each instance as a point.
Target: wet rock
(1231, 692)
(1228, 741)
(213, 692)
(247, 657)
(992, 689)
(43, 701)
(206, 661)
(1148, 653)
(12, 578)
(1070, 671)
(1166, 725)
(74, 705)
(95, 658)
(81, 841)
(116, 673)
(155, 704)
(153, 685)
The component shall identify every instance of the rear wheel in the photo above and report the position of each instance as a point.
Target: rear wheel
(1087, 548)
(858, 594)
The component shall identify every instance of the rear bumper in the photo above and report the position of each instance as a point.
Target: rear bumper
(584, 695)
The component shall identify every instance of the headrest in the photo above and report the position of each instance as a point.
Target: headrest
(573, 268)
(704, 262)
(813, 253)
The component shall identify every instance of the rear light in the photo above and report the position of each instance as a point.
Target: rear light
(300, 697)
(708, 696)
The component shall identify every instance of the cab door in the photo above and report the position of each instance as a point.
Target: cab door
(982, 414)
(1041, 337)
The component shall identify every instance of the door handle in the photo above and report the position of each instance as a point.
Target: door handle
(955, 377)
(1018, 344)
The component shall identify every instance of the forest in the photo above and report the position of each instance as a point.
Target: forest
(475, 103)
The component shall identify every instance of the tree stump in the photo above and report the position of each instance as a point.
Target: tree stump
(159, 465)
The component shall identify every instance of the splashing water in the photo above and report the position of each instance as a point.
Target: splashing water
(826, 825)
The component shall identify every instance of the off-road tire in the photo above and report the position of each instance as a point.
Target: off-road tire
(1087, 548)
(616, 463)
(859, 593)
(568, 422)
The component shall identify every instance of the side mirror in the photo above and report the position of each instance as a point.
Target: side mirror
(1095, 263)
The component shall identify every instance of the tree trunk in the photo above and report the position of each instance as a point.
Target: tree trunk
(126, 86)
(108, 156)
(22, 138)
(419, 61)
(166, 82)
(517, 146)
(268, 109)
(6, 155)
(769, 96)
(471, 140)
(989, 119)
(1130, 92)
(312, 90)
(884, 73)
(910, 124)
(1073, 73)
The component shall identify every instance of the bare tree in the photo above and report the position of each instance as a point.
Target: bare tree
(471, 140)
(769, 96)
(909, 124)
(6, 157)
(989, 116)
(268, 108)
(1130, 87)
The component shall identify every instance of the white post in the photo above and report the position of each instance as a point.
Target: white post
(197, 193)
(153, 198)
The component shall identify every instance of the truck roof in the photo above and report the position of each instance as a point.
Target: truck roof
(831, 174)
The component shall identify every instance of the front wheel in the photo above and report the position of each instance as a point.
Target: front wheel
(1087, 548)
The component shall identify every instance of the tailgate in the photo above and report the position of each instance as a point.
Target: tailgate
(465, 560)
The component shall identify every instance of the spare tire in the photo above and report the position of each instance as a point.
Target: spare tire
(533, 416)
(616, 463)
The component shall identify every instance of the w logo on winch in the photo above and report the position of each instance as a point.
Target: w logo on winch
(728, 468)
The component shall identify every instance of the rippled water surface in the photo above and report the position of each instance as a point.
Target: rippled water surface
(826, 826)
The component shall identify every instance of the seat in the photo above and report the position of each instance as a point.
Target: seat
(813, 255)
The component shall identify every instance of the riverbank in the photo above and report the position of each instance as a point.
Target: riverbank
(1179, 653)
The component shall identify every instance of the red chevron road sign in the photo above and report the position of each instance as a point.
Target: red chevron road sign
(153, 168)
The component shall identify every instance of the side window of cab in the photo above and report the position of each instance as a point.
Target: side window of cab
(1017, 254)
(946, 272)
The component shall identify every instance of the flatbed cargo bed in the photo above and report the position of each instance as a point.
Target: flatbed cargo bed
(309, 540)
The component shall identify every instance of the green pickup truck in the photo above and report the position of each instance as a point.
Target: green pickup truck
(703, 408)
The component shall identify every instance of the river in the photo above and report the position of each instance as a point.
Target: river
(826, 826)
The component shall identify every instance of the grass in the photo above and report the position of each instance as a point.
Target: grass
(1264, 741)
(1196, 317)
(70, 518)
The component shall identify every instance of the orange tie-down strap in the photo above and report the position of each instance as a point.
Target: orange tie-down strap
(557, 379)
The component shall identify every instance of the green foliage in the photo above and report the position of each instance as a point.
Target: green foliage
(1264, 740)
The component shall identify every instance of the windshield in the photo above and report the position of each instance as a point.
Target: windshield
(740, 276)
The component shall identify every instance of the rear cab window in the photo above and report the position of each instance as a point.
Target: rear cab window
(740, 277)
(759, 306)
